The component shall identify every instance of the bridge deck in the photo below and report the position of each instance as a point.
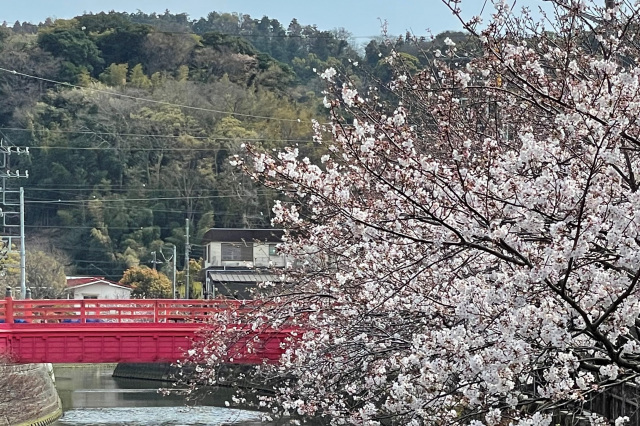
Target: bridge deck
(94, 331)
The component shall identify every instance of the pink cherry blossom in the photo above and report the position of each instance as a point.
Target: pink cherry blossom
(470, 244)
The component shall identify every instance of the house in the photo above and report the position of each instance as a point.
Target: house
(96, 288)
(245, 248)
(235, 260)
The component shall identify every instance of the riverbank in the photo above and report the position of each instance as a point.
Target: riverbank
(28, 395)
(164, 372)
(91, 395)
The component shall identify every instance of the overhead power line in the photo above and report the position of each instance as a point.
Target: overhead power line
(145, 135)
(153, 101)
(84, 187)
(128, 199)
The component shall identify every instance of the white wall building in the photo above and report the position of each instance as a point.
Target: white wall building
(244, 248)
(235, 260)
(96, 288)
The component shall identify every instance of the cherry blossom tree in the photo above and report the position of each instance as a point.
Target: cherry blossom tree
(471, 240)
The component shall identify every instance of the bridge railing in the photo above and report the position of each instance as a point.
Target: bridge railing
(85, 311)
(5, 310)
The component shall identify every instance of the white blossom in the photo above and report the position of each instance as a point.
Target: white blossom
(328, 74)
(466, 250)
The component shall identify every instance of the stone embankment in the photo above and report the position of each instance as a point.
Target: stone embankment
(28, 395)
(163, 372)
(236, 375)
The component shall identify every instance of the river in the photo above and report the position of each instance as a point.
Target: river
(91, 396)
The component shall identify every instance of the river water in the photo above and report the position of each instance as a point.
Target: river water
(90, 396)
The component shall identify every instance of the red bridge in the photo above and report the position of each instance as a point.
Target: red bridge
(131, 330)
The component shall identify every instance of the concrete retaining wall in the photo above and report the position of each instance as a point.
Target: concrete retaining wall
(147, 371)
(236, 375)
(28, 395)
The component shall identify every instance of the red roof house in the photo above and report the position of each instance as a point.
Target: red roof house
(96, 288)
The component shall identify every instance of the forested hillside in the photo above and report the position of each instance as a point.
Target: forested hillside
(131, 120)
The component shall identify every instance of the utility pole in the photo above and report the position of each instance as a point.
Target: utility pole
(187, 248)
(155, 260)
(174, 261)
(23, 253)
(9, 204)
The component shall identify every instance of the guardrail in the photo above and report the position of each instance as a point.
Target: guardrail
(85, 311)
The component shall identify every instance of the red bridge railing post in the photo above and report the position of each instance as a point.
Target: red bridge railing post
(9, 309)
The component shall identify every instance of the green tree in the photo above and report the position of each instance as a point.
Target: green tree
(45, 274)
(407, 63)
(118, 39)
(147, 283)
(294, 44)
(183, 73)
(5, 33)
(20, 52)
(226, 43)
(65, 40)
(166, 51)
(9, 266)
(195, 285)
(207, 221)
(138, 78)
(115, 75)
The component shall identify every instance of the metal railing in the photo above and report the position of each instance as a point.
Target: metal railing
(83, 311)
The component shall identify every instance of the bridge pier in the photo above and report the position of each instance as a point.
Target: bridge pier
(28, 395)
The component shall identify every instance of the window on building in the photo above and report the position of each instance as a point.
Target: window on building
(273, 250)
(89, 296)
(237, 251)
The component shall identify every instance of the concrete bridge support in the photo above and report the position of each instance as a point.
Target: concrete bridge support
(28, 395)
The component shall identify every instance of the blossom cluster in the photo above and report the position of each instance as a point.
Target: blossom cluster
(472, 246)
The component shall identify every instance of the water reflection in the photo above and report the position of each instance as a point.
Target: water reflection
(90, 396)
(165, 416)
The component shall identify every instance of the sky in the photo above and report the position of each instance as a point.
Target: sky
(360, 17)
